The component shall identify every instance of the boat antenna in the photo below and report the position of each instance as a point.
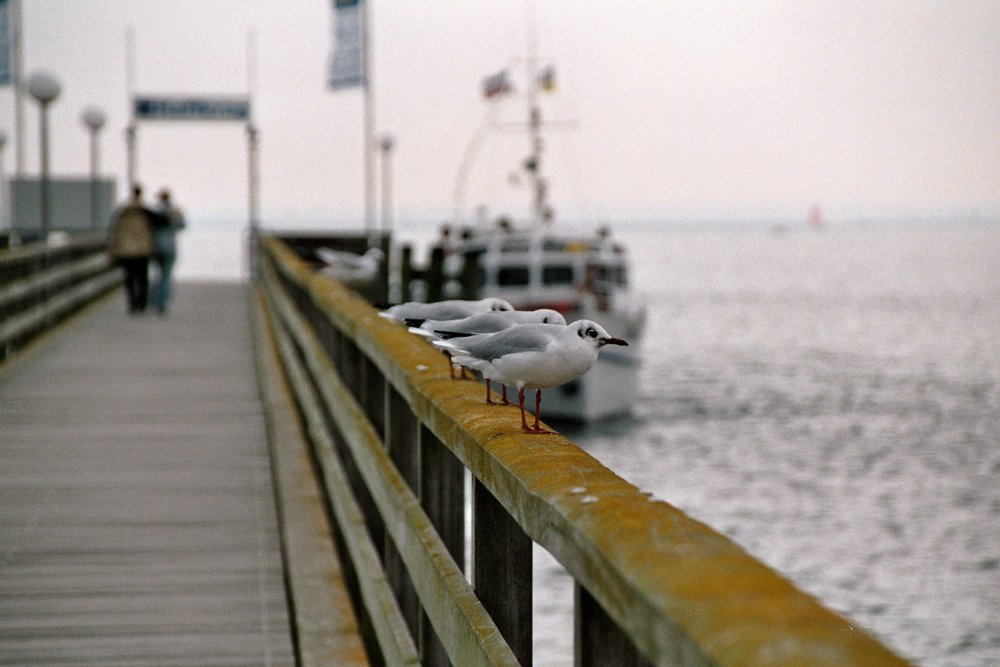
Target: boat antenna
(533, 163)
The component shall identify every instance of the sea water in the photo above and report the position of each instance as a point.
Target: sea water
(829, 400)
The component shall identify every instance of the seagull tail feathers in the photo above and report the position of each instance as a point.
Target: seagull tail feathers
(447, 346)
(423, 333)
(448, 335)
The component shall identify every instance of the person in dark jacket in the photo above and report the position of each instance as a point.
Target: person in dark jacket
(130, 243)
(169, 221)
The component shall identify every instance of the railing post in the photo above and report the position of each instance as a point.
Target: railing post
(402, 430)
(501, 571)
(442, 495)
(350, 368)
(598, 641)
(372, 397)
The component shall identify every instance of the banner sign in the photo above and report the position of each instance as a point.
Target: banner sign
(192, 108)
(6, 45)
(347, 67)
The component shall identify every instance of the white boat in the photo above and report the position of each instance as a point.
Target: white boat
(582, 275)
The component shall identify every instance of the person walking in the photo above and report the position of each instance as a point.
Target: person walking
(170, 221)
(130, 244)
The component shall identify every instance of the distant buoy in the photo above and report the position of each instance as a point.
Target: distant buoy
(815, 217)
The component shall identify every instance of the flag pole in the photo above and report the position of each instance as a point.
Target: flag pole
(130, 129)
(253, 203)
(369, 121)
(18, 78)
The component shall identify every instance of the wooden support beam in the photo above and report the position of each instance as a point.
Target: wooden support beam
(501, 574)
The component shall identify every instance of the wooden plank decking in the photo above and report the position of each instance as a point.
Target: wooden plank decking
(137, 521)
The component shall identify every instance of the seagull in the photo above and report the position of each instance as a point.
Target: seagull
(349, 268)
(533, 356)
(489, 322)
(442, 310)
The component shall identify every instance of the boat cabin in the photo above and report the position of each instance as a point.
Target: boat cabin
(543, 270)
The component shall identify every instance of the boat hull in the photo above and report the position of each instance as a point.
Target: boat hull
(608, 390)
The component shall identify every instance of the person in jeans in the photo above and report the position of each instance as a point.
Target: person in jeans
(130, 244)
(170, 221)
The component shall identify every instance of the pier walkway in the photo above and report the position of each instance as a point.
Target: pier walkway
(137, 511)
(285, 478)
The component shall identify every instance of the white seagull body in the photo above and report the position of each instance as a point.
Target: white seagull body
(443, 310)
(350, 268)
(490, 322)
(533, 356)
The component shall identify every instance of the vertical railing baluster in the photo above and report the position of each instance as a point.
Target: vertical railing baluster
(352, 372)
(442, 495)
(350, 368)
(501, 570)
(402, 431)
(598, 641)
(373, 394)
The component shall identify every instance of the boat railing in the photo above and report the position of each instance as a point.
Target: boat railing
(42, 283)
(393, 439)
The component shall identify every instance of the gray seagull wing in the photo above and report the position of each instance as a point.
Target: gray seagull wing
(519, 338)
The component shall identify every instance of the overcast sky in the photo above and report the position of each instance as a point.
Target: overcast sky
(676, 107)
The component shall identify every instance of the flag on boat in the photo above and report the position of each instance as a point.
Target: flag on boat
(496, 84)
(347, 66)
(6, 45)
(547, 79)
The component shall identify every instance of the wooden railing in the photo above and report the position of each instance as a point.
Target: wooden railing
(41, 284)
(392, 439)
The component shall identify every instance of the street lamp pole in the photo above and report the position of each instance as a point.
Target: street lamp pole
(93, 118)
(130, 152)
(253, 204)
(386, 143)
(3, 183)
(45, 89)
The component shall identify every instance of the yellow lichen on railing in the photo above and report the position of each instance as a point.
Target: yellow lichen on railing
(683, 593)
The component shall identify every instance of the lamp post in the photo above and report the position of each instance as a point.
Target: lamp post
(45, 89)
(94, 118)
(130, 152)
(386, 143)
(3, 183)
(253, 204)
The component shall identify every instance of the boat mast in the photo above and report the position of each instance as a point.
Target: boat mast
(533, 163)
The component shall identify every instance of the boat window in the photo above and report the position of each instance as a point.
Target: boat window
(516, 245)
(513, 276)
(600, 278)
(620, 276)
(557, 275)
(552, 245)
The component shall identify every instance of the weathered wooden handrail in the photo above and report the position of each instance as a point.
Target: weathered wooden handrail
(393, 437)
(42, 284)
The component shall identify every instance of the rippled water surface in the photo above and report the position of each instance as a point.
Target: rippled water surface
(831, 402)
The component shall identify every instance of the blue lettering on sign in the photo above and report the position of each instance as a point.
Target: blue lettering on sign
(191, 108)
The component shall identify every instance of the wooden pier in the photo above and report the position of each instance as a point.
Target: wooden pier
(274, 475)
(137, 513)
